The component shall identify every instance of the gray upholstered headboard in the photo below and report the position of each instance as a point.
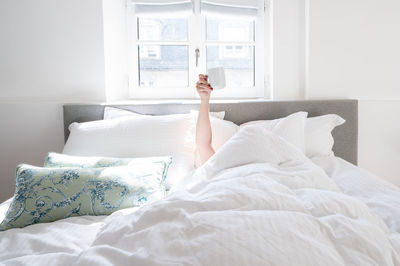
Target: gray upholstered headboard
(243, 111)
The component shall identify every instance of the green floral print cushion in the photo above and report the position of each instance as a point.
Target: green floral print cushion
(58, 160)
(48, 194)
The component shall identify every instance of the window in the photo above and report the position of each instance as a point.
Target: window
(165, 35)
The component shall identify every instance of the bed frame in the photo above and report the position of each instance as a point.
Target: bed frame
(240, 112)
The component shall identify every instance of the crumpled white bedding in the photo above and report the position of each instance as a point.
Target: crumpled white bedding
(383, 198)
(257, 201)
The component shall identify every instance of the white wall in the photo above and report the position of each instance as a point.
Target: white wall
(288, 50)
(115, 50)
(354, 49)
(379, 138)
(28, 132)
(51, 51)
(354, 53)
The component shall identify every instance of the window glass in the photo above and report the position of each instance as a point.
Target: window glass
(230, 45)
(163, 66)
(162, 29)
(230, 29)
(238, 61)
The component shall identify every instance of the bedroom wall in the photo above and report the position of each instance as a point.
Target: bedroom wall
(51, 51)
(28, 132)
(115, 50)
(288, 49)
(354, 53)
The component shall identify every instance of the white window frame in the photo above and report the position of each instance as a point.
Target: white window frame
(197, 40)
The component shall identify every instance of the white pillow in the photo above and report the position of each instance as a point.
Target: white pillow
(222, 131)
(318, 134)
(290, 128)
(220, 114)
(254, 144)
(137, 136)
(112, 112)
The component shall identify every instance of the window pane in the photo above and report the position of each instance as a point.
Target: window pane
(163, 29)
(230, 29)
(163, 66)
(238, 61)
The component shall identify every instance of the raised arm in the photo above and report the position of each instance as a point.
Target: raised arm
(203, 127)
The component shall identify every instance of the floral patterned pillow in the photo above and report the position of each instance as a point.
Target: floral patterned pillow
(59, 160)
(48, 194)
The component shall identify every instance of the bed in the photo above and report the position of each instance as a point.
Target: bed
(258, 201)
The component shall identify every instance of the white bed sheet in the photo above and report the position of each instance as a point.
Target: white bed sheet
(50, 243)
(382, 197)
(45, 244)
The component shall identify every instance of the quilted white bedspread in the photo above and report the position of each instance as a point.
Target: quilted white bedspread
(257, 201)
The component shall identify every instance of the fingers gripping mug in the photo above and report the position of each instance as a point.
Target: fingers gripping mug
(216, 77)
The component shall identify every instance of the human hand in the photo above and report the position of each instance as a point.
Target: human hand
(204, 88)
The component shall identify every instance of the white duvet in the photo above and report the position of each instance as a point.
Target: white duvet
(257, 201)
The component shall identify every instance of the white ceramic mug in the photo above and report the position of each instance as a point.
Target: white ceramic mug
(216, 77)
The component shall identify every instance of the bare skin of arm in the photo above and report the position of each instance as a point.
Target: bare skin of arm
(203, 126)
